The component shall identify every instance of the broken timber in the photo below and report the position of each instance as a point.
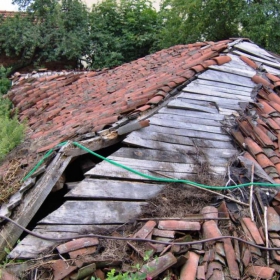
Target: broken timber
(33, 200)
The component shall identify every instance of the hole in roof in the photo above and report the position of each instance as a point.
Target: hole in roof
(73, 174)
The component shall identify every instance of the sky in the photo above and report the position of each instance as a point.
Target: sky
(6, 5)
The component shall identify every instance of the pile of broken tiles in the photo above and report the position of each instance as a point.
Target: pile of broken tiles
(213, 260)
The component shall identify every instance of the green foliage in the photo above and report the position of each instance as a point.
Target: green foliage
(187, 21)
(11, 131)
(260, 22)
(5, 83)
(50, 30)
(121, 31)
(112, 33)
(111, 275)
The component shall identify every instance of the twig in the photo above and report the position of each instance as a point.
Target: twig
(210, 191)
(266, 234)
(251, 193)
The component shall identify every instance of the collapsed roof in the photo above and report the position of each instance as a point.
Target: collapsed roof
(194, 96)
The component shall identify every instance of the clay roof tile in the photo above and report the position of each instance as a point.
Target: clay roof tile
(248, 61)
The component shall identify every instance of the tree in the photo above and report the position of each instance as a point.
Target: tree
(188, 21)
(122, 32)
(260, 21)
(49, 30)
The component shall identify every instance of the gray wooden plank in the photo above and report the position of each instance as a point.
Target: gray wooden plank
(197, 102)
(182, 140)
(264, 61)
(231, 70)
(236, 62)
(187, 132)
(254, 50)
(184, 105)
(220, 103)
(10, 233)
(164, 156)
(271, 70)
(186, 113)
(94, 212)
(114, 190)
(154, 165)
(223, 86)
(31, 247)
(213, 75)
(197, 84)
(106, 170)
(117, 173)
(77, 229)
(210, 152)
(190, 119)
(206, 91)
(184, 125)
(216, 99)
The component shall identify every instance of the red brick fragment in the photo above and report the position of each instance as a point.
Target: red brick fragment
(4, 275)
(82, 252)
(251, 226)
(211, 268)
(231, 261)
(200, 272)
(164, 233)
(223, 210)
(61, 269)
(260, 272)
(273, 220)
(77, 244)
(157, 266)
(210, 212)
(246, 258)
(179, 225)
(211, 230)
(189, 269)
(145, 230)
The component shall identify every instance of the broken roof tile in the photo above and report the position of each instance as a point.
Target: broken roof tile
(179, 225)
(77, 244)
(145, 230)
(260, 272)
(188, 270)
(251, 226)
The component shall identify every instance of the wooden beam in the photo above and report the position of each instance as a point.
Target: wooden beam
(10, 233)
(95, 144)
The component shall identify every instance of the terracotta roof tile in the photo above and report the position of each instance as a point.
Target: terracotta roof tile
(253, 147)
(222, 59)
(264, 161)
(272, 77)
(249, 61)
(260, 272)
(56, 101)
(260, 80)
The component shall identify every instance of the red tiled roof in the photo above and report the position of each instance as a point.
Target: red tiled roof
(58, 108)
(260, 128)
